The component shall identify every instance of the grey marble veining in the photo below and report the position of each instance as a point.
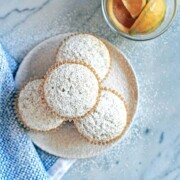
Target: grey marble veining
(151, 149)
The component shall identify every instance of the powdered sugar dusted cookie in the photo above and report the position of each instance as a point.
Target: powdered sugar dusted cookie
(107, 123)
(71, 89)
(88, 48)
(32, 112)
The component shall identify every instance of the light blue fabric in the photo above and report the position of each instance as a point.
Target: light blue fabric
(47, 159)
(19, 159)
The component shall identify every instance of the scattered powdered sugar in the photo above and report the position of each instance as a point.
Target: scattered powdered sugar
(88, 48)
(71, 90)
(33, 113)
(105, 123)
(78, 15)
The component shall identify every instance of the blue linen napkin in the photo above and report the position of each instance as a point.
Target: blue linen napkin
(19, 159)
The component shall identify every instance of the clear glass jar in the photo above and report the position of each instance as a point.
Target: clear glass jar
(171, 11)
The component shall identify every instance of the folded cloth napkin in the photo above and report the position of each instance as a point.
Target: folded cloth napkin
(19, 158)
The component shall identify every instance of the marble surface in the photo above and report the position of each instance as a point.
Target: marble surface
(151, 149)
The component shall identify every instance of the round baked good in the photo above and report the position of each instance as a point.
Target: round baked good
(87, 48)
(32, 112)
(107, 123)
(71, 89)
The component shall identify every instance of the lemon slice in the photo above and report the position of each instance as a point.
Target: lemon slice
(134, 6)
(119, 15)
(150, 18)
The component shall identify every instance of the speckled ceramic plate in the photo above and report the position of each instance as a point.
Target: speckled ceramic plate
(67, 142)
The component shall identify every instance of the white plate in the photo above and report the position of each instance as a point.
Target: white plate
(67, 142)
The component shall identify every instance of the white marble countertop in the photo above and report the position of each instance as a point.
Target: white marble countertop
(151, 150)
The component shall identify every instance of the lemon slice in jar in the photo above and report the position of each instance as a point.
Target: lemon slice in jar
(134, 6)
(150, 18)
(119, 15)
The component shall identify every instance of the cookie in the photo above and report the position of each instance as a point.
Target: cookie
(88, 48)
(32, 112)
(71, 89)
(107, 123)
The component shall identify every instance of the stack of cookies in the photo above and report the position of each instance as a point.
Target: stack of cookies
(72, 90)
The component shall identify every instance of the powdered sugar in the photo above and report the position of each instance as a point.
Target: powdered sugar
(71, 90)
(87, 48)
(108, 120)
(33, 113)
